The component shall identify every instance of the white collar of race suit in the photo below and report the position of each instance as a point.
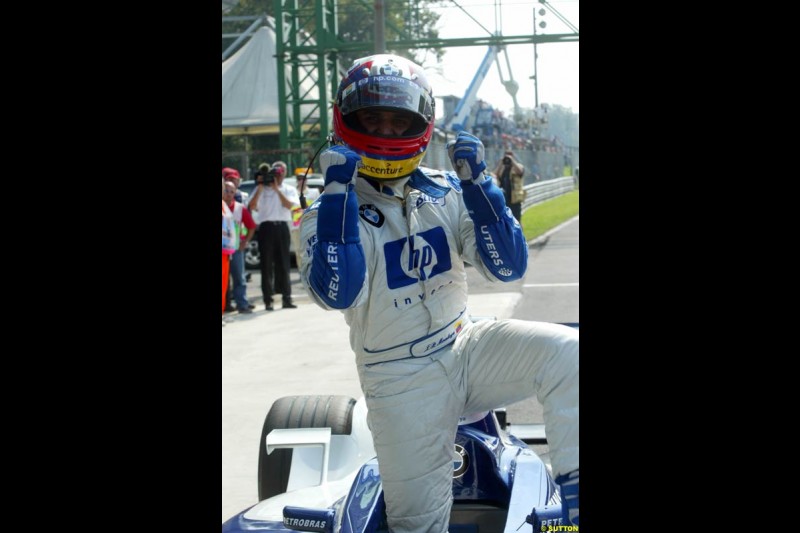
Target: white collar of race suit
(391, 187)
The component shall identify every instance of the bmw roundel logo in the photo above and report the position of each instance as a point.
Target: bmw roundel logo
(460, 461)
(371, 214)
(389, 70)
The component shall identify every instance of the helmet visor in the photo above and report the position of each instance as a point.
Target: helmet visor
(391, 92)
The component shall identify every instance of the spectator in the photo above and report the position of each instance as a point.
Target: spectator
(509, 173)
(228, 246)
(283, 164)
(244, 227)
(231, 174)
(273, 200)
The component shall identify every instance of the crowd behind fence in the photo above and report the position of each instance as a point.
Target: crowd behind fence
(546, 165)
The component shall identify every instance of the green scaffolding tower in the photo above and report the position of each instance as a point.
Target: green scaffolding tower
(305, 45)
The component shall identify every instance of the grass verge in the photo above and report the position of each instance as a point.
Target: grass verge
(540, 218)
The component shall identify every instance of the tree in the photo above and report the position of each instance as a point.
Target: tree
(406, 19)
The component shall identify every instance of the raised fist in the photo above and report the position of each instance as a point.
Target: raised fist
(466, 155)
(339, 165)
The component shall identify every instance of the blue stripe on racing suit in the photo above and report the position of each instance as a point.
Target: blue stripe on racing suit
(499, 237)
(339, 267)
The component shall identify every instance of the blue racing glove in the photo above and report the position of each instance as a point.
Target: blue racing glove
(569, 498)
(466, 155)
(340, 166)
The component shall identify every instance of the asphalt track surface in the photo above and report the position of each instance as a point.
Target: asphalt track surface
(305, 351)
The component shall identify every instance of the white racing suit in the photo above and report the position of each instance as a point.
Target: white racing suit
(395, 267)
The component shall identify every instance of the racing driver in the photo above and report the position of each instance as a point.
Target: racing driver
(387, 244)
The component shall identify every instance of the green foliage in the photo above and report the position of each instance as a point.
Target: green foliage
(540, 218)
(244, 8)
(233, 143)
(252, 7)
(405, 19)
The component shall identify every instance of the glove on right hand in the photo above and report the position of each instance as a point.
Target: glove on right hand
(339, 165)
(466, 154)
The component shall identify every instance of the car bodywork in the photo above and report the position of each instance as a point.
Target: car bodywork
(499, 483)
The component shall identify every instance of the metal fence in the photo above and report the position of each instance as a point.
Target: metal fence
(544, 190)
(547, 165)
(552, 184)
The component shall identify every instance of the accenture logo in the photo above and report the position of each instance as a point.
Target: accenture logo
(379, 170)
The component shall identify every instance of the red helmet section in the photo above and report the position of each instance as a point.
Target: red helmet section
(389, 83)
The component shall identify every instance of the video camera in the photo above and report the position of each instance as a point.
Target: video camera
(266, 177)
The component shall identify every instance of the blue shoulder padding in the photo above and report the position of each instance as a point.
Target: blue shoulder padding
(422, 182)
(338, 267)
(337, 272)
(338, 217)
(452, 179)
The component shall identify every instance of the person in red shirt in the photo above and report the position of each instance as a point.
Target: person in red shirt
(228, 246)
(245, 228)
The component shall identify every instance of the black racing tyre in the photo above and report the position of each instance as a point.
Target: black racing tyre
(289, 412)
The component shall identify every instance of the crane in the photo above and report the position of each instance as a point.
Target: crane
(461, 114)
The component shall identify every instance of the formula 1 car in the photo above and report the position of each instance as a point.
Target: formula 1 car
(317, 471)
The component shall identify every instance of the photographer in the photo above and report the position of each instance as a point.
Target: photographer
(273, 202)
(509, 173)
